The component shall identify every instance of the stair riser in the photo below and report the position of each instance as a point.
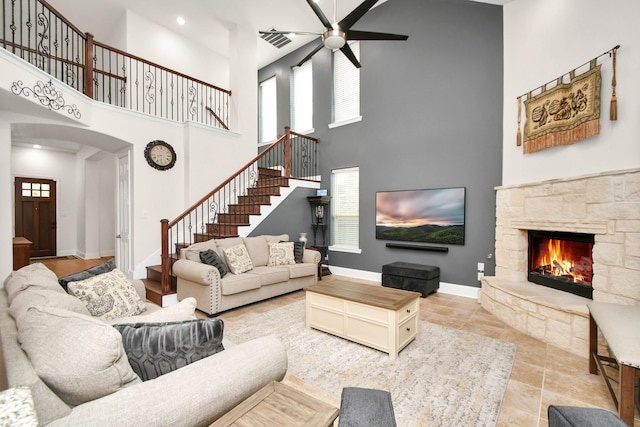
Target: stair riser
(245, 209)
(264, 191)
(268, 173)
(257, 199)
(271, 182)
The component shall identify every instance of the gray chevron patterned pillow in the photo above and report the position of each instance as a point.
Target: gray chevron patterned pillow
(156, 349)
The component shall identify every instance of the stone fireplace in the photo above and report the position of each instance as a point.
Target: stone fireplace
(605, 206)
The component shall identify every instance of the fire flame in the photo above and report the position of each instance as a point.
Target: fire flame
(556, 262)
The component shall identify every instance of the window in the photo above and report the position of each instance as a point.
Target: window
(345, 209)
(302, 98)
(268, 115)
(346, 87)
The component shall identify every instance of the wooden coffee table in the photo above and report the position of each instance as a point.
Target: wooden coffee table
(277, 404)
(382, 318)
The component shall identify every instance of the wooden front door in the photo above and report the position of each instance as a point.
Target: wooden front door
(36, 214)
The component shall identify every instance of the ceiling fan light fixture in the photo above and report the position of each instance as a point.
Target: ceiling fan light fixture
(334, 39)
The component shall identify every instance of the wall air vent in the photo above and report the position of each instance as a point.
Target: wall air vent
(277, 40)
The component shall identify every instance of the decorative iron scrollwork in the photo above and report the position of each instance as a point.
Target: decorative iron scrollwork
(193, 98)
(148, 96)
(48, 95)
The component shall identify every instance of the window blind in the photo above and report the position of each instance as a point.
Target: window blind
(302, 98)
(345, 207)
(346, 85)
(268, 116)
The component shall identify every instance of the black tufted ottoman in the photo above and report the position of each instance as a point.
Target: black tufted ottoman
(411, 277)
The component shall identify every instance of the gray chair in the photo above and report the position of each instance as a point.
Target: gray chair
(572, 416)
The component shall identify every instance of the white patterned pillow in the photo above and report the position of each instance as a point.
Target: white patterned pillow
(281, 254)
(108, 295)
(238, 259)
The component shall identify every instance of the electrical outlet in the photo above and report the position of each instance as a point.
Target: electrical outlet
(480, 275)
(481, 267)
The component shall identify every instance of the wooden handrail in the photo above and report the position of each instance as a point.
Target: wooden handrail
(213, 113)
(231, 178)
(153, 64)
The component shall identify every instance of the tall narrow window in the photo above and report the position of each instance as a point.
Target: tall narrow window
(346, 87)
(268, 114)
(302, 98)
(345, 209)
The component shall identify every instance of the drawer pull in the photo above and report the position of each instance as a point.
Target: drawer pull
(408, 329)
(408, 310)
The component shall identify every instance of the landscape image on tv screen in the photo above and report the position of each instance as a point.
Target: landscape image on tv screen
(422, 216)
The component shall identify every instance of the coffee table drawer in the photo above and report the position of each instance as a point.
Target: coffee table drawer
(326, 301)
(408, 311)
(407, 331)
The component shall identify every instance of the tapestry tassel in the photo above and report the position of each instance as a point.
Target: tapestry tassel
(613, 112)
(519, 134)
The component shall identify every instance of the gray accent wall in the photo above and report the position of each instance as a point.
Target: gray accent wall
(431, 118)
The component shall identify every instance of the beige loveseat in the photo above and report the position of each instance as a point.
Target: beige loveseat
(265, 279)
(58, 369)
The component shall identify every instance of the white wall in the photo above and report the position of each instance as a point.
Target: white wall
(544, 39)
(156, 43)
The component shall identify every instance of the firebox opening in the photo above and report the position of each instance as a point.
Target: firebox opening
(562, 261)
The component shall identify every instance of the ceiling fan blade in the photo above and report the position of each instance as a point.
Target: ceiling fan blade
(319, 14)
(285, 33)
(370, 35)
(356, 14)
(313, 52)
(349, 54)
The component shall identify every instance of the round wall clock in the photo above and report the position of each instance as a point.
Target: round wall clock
(160, 155)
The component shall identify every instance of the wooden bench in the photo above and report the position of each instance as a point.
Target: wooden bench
(620, 327)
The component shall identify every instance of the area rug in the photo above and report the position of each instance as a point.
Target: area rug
(445, 377)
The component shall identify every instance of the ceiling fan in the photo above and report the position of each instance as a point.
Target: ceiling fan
(336, 34)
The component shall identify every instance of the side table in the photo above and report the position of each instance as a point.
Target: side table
(619, 326)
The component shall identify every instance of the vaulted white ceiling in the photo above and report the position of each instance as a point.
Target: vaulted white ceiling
(207, 22)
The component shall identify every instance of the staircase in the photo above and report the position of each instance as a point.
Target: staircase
(269, 183)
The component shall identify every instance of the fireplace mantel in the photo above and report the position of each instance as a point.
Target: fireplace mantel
(569, 225)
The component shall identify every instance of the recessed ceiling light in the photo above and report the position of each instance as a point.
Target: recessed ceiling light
(36, 146)
(180, 20)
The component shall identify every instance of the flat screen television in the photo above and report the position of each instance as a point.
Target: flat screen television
(421, 216)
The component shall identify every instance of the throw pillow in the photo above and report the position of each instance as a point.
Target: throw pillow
(298, 251)
(184, 310)
(238, 259)
(80, 358)
(108, 295)
(105, 267)
(155, 349)
(211, 257)
(281, 254)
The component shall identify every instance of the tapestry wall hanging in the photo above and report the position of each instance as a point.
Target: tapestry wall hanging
(565, 113)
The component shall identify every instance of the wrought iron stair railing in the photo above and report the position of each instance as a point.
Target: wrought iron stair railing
(42, 36)
(230, 205)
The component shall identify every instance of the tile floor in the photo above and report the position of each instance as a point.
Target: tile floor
(542, 374)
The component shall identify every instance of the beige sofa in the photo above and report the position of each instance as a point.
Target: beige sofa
(192, 395)
(215, 294)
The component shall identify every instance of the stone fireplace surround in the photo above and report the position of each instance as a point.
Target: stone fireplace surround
(606, 205)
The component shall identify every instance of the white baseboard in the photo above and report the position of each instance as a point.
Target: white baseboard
(445, 288)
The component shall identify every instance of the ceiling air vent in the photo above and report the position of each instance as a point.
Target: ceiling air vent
(277, 40)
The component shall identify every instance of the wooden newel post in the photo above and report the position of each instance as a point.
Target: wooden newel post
(287, 151)
(164, 256)
(88, 66)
